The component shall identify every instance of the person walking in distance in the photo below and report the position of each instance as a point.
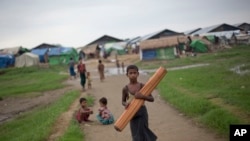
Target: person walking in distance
(101, 68)
(82, 71)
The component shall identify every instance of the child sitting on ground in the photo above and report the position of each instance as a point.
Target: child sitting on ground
(89, 80)
(84, 112)
(104, 116)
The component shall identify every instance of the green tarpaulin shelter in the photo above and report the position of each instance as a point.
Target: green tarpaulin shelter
(199, 46)
(62, 55)
(165, 53)
(211, 38)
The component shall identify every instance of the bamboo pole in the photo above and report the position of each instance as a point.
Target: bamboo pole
(135, 104)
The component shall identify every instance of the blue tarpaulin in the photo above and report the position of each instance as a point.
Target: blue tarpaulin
(55, 51)
(149, 54)
(6, 60)
(56, 55)
(59, 51)
(40, 52)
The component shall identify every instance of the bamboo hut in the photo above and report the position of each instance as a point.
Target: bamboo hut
(162, 48)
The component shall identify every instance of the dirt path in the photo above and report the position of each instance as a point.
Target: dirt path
(63, 121)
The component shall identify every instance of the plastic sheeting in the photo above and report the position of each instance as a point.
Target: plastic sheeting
(6, 60)
(26, 60)
(41, 53)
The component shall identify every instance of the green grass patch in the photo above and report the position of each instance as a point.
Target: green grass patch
(36, 125)
(90, 100)
(73, 133)
(192, 91)
(220, 120)
(191, 106)
(19, 81)
(213, 80)
(200, 109)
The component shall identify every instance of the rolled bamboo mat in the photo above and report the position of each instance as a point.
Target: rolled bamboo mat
(135, 104)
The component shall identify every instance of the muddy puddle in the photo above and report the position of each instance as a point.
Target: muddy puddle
(116, 71)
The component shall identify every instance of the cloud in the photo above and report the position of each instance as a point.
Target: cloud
(78, 22)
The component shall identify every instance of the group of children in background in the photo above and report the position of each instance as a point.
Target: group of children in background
(85, 75)
(104, 115)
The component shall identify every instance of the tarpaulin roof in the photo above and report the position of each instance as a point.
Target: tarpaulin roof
(118, 45)
(227, 34)
(210, 29)
(59, 51)
(41, 51)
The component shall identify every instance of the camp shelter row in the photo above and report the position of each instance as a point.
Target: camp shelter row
(44, 53)
(164, 44)
(120, 46)
(228, 33)
(231, 34)
(26, 59)
(15, 56)
(201, 40)
(55, 54)
(105, 43)
(171, 47)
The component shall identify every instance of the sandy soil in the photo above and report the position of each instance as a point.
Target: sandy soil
(14, 106)
(166, 122)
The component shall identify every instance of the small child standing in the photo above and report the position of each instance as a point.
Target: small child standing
(104, 116)
(89, 80)
(84, 112)
(123, 67)
(101, 68)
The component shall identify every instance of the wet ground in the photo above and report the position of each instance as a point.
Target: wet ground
(240, 69)
(116, 71)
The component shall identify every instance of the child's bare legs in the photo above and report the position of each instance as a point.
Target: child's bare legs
(102, 77)
(101, 74)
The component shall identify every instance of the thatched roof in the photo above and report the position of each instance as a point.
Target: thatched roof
(90, 48)
(182, 39)
(162, 42)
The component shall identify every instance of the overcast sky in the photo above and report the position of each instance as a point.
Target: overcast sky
(75, 23)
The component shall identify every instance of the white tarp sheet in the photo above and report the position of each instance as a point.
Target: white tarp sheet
(27, 59)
